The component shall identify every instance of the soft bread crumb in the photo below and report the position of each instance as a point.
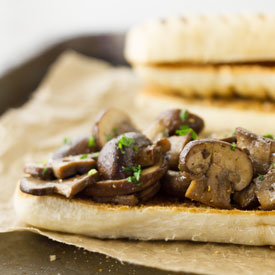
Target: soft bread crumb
(52, 258)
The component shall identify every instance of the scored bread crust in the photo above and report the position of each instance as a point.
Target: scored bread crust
(163, 221)
(202, 39)
(252, 81)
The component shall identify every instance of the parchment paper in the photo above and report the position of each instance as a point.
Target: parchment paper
(65, 104)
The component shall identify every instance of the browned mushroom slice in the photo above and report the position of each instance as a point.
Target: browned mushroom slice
(42, 170)
(175, 184)
(230, 139)
(247, 197)
(70, 166)
(111, 123)
(177, 144)
(170, 121)
(132, 199)
(128, 150)
(76, 146)
(259, 148)
(265, 190)
(151, 154)
(110, 188)
(216, 168)
(68, 188)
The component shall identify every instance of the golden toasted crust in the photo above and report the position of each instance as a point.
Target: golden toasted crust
(158, 220)
(220, 115)
(250, 81)
(203, 39)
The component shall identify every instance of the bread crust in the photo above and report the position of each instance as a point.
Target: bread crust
(220, 115)
(203, 39)
(250, 81)
(154, 221)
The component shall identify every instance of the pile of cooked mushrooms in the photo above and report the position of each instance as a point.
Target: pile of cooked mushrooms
(122, 165)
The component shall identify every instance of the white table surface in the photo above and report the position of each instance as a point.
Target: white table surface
(29, 26)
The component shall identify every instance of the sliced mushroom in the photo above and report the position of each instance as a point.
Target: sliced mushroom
(177, 144)
(175, 184)
(265, 190)
(68, 188)
(70, 166)
(260, 149)
(216, 168)
(151, 154)
(246, 198)
(115, 157)
(111, 123)
(170, 121)
(230, 139)
(133, 199)
(42, 170)
(77, 146)
(110, 188)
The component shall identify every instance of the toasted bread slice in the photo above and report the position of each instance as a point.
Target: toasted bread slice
(220, 115)
(203, 39)
(157, 220)
(248, 81)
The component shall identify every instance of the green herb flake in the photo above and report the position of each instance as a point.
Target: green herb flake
(269, 136)
(115, 131)
(84, 156)
(44, 171)
(108, 137)
(274, 164)
(233, 133)
(135, 148)
(95, 155)
(233, 147)
(124, 142)
(67, 140)
(183, 114)
(91, 141)
(261, 177)
(184, 130)
(92, 172)
(44, 162)
(136, 174)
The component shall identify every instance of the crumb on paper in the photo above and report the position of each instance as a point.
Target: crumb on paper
(217, 252)
(100, 270)
(52, 258)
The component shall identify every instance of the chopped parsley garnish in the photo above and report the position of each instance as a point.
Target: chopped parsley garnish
(274, 164)
(183, 114)
(115, 131)
(108, 137)
(269, 136)
(91, 142)
(261, 177)
(125, 142)
(136, 174)
(95, 155)
(44, 162)
(184, 130)
(233, 133)
(233, 147)
(44, 171)
(84, 156)
(67, 140)
(92, 172)
(135, 148)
